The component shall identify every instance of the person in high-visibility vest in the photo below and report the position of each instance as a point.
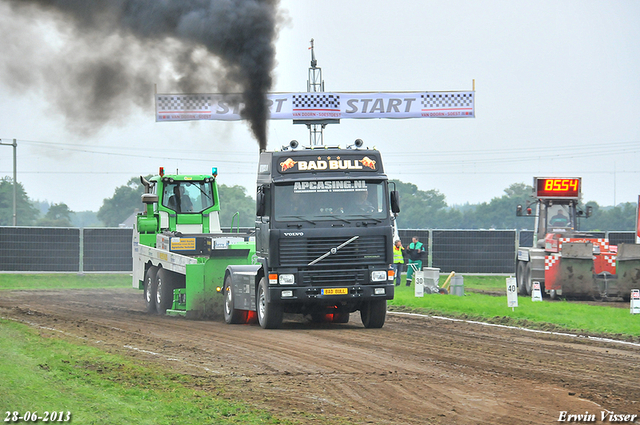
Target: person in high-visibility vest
(398, 260)
(416, 251)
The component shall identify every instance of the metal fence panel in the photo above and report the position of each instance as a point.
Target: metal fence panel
(107, 250)
(616, 238)
(35, 249)
(525, 238)
(474, 251)
(52, 249)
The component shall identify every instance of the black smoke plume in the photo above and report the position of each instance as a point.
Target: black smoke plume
(97, 58)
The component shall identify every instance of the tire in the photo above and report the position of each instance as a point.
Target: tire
(527, 279)
(165, 283)
(231, 315)
(269, 314)
(373, 314)
(150, 289)
(520, 272)
(340, 317)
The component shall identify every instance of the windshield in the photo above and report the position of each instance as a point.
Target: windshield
(330, 200)
(186, 197)
(558, 216)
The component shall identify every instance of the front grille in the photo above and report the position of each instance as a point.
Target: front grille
(299, 252)
(333, 277)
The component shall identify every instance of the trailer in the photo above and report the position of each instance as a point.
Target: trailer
(565, 261)
(322, 244)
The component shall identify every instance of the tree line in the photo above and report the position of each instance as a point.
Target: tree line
(420, 209)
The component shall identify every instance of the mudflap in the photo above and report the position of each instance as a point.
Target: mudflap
(628, 269)
(576, 270)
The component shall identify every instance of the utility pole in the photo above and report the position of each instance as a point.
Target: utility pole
(15, 180)
(315, 84)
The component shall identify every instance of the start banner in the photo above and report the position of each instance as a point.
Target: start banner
(320, 106)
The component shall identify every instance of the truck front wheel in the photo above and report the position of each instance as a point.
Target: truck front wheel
(150, 289)
(269, 314)
(373, 313)
(231, 314)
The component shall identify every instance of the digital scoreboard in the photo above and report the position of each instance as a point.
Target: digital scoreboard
(558, 188)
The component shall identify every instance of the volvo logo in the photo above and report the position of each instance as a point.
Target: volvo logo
(334, 250)
(294, 233)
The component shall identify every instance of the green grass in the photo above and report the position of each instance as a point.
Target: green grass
(42, 373)
(556, 315)
(10, 281)
(486, 283)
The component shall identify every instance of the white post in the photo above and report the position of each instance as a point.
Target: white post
(635, 301)
(536, 294)
(512, 293)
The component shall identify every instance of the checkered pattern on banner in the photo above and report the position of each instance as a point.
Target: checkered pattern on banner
(447, 100)
(610, 259)
(550, 261)
(324, 101)
(184, 103)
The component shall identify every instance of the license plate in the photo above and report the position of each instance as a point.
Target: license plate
(335, 291)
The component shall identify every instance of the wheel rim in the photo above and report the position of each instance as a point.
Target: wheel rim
(262, 304)
(159, 292)
(148, 292)
(228, 301)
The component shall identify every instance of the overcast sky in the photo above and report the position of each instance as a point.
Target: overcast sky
(557, 94)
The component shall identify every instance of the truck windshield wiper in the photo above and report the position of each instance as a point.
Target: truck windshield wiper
(197, 185)
(335, 217)
(297, 216)
(366, 217)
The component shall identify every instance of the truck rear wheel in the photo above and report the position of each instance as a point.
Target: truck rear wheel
(373, 313)
(520, 277)
(523, 277)
(269, 314)
(231, 314)
(150, 289)
(164, 291)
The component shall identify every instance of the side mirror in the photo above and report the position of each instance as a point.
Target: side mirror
(395, 202)
(589, 210)
(260, 204)
(149, 198)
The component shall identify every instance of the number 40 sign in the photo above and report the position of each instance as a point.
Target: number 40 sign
(512, 292)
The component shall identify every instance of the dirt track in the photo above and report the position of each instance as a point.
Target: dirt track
(415, 370)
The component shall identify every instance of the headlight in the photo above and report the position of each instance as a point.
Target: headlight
(286, 279)
(379, 276)
(285, 294)
(378, 291)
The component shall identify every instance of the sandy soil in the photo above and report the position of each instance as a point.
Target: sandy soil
(415, 370)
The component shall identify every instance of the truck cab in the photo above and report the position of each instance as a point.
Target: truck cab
(324, 235)
(182, 203)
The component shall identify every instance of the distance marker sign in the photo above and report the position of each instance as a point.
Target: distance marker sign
(512, 292)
